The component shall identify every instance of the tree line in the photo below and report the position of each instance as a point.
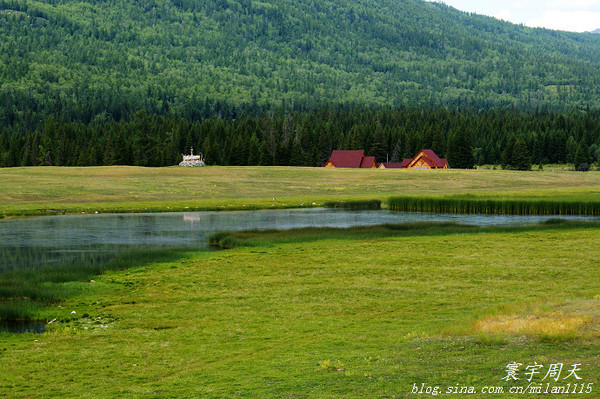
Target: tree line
(512, 138)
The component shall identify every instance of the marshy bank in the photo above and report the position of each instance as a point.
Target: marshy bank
(494, 206)
(254, 238)
(25, 292)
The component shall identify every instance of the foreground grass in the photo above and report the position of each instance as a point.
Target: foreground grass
(333, 317)
(26, 293)
(42, 190)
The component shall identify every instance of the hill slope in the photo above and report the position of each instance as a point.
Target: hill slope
(81, 60)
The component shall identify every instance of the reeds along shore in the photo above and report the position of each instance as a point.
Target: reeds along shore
(366, 204)
(490, 206)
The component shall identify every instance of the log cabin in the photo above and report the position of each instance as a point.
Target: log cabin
(427, 159)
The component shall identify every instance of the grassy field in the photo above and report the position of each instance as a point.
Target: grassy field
(43, 190)
(335, 316)
(312, 313)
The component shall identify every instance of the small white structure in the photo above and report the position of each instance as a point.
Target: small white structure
(192, 160)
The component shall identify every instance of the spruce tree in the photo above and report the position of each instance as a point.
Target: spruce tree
(571, 148)
(460, 150)
(377, 148)
(253, 151)
(507, 154)
(521, 160)
(582, 157)
(265, 158)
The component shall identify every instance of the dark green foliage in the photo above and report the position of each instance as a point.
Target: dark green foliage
(594, 152)
(583, 167)
(378, 149)
(97, 61)
(516, 154)
(571, 149)
(507, 153)
(307, 138)
(460, 150)
(138, 83)
(367, 204)
(582, 157)
(521, 159)
(487, 206)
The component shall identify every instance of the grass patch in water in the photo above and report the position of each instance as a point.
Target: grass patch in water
(232, 239)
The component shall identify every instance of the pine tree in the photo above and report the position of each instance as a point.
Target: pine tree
(265, 158)
(253, 151)
(353, 140)
(460, 150)
(507, 154)
(377, 148)
(323, 147)
(521, 159)
(582, 157)
(571, 148)
(398, 151)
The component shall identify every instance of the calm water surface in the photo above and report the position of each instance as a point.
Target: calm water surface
(32, 242)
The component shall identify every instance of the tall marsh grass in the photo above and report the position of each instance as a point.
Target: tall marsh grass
(366, 204)
(23, 291)
(494, 206)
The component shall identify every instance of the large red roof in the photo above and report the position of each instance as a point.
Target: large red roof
(347, 158)
(367, 162)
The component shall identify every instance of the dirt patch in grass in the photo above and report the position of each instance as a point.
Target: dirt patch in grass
(556, 322)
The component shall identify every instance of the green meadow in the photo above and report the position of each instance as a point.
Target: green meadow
(365, 312)
(344, 314)
(51, 190)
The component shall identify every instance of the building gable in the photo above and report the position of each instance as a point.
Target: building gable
(427, 159)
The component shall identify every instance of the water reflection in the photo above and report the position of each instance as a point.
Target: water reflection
(20, 327)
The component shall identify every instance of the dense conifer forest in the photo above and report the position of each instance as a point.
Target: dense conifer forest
(277, 82)
(510, 138)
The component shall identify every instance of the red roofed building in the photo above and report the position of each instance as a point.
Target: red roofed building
(350, 159)
(368, 162)
(405, 162)
(393, 165)
(427, 159)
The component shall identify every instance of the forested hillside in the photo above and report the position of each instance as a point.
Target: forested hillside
(89, 66)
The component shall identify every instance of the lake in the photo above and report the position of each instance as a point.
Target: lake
(42, 242)
(67, 239)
